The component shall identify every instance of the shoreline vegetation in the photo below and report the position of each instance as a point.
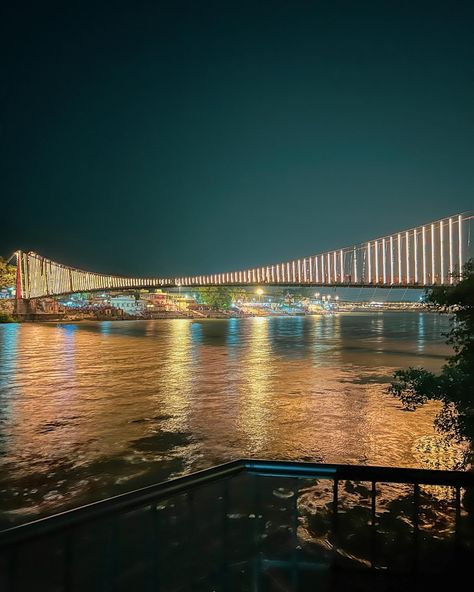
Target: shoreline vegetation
(7, 318)
(453, 386)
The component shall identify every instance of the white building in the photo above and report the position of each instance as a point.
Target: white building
(128, 304)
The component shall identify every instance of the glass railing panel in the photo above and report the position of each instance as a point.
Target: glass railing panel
(437, 528)
(395, 537)
(93, 556)
(465, 524)
(353, 526)
(315, 533)
(253, 531)
(41, 563)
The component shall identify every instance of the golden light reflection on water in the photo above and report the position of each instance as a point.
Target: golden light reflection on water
(35, 414)
(88, 407)
(175, 378)
(254, 394)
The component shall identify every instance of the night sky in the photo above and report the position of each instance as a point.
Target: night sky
(191, 137)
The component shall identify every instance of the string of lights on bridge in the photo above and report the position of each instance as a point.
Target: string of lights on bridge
(422, 256)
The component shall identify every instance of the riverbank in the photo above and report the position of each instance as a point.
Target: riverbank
(50, 310)
(171, 315)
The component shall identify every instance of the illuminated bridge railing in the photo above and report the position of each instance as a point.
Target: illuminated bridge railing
(256, 525)
(423, 256)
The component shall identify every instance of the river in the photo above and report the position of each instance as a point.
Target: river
(91, 409)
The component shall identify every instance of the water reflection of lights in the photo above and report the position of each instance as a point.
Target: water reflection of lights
(420, 346)
(196, 332)
(326, 333)
(69, 348)
(196, 341)
(254, 410)
(8, 361)
(233, 332)
(8, 349)
(437, 452)
(175, 377)
(40, 424)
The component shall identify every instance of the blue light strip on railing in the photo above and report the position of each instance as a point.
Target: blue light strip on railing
(290, 468)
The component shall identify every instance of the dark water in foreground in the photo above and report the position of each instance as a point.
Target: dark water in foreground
(91, 409)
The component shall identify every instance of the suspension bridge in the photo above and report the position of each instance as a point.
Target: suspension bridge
(424, 256)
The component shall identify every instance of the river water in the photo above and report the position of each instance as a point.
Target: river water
(91, 409)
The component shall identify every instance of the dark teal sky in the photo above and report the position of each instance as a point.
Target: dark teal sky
(187, 137)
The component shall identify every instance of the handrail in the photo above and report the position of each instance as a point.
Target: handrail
(123, 501)
(362, 472)
(293, 469)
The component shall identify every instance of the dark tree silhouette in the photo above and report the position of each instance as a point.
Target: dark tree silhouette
(454, 385)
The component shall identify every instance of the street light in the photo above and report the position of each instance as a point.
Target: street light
(259, 291)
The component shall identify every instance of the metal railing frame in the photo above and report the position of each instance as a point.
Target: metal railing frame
(293, 469)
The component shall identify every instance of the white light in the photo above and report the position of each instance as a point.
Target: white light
(441, 252)
(399, 258)
(384, 262)
(432, 255)
(415, 254)
(376, 249)
(369, 263)
(355, 265)
(391, 260)
(451, 262)
(460, 243)
(423, 234)
(407, 241)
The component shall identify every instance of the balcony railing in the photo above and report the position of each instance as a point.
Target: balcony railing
(255, 525)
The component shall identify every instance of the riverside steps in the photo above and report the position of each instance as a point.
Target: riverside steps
(255, 525)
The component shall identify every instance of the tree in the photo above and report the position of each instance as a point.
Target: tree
(454, 385)
(218, 298)
(7, 274)
(238, 293)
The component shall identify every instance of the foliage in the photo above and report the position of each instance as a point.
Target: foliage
(7, 274)
(218, 298)
(6, 318)
(454, 385)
